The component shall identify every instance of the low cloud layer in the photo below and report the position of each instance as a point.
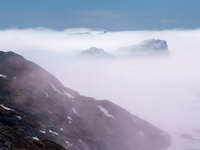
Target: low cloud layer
(76, 39)
(163, 90)
(71, 39)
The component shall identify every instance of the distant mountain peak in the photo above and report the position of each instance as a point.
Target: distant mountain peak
(145, 48)
(95, 52)
(154, 44)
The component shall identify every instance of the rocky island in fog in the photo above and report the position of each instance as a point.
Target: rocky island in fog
(147, 47)
(95, 52)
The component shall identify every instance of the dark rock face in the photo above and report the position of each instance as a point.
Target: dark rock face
(35, 109)
(94, 52)
(154, 44)
(148, 47)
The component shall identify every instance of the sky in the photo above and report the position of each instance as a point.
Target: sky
(104, 14)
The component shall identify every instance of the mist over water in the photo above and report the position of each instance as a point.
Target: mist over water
(164, 90)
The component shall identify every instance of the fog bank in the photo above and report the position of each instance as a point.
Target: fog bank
(164, 90)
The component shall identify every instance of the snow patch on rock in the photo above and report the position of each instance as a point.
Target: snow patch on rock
(61, 92)
(36, 138)
(6, 108)
(69, 144)
(75, 111)
(42, 131)
(105, 111)
(68, 95)
(19, 117)
(3, 76)
(69, 119)
(55, 89)
(53, 132)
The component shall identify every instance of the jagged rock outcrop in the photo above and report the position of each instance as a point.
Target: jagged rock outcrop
(35, 108)
(147, 47)
(94, 52)
(154, 44)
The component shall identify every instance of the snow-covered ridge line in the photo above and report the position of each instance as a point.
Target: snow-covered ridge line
(105, 111)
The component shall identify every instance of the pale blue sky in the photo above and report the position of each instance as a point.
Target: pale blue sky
(100, 14)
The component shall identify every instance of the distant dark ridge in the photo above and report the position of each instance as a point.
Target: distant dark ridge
(146, 48)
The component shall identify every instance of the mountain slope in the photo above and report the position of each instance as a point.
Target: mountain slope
(48, 110)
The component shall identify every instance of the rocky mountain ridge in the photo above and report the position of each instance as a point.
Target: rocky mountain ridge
(37, 109)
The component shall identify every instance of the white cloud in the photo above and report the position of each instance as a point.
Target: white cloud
(78, 39)
(162, 90)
